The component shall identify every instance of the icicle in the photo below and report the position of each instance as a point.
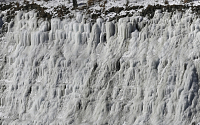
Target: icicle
(55, 24)
(110, 30)
(95, 34)
(44, 26)
(87, 27)
(99, 22)
(79, 17)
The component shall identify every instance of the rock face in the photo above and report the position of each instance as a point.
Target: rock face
(134, 71)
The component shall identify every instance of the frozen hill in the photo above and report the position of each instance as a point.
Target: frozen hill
(136, 69)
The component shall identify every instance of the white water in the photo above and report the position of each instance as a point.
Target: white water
(105, 73)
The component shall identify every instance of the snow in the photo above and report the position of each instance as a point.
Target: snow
(52, 4)
(73, 71)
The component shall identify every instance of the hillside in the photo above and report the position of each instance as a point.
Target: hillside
(119, 64)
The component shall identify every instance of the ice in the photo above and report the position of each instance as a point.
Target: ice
(95, 35)
(45, 26)
(132, 71)
(110, 30)
(55, 24)
(79, 17)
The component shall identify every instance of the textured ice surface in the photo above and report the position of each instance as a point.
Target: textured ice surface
(134, 71)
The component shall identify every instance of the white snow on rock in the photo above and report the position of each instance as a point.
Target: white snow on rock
(125, 72)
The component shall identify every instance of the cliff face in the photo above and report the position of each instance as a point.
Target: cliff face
(135, 71)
